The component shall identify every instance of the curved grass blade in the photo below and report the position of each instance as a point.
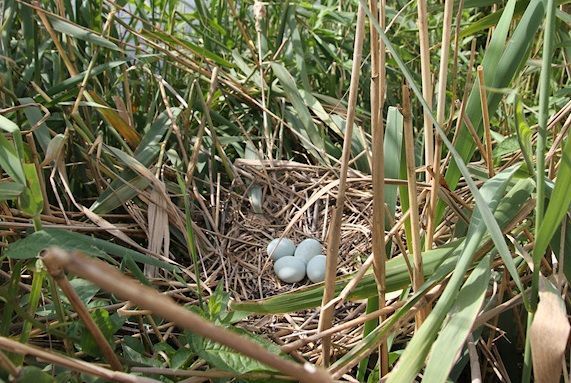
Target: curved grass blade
(558, 203)
(32, 245)
(66, 27)
(128, 183)
(456, 330)
(10, 190)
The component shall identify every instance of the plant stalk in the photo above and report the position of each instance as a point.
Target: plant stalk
(334, 234)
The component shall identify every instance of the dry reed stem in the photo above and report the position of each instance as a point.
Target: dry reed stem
(418, 276)
(70, 363)
(8, 366)
(486, 120)
(440, 110)
(378, 171)
(110, 279)
(426, 83)
(334, 237)
(380, 313)
(61, 280)
(211, 374)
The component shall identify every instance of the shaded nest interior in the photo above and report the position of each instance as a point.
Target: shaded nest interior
(297, 202)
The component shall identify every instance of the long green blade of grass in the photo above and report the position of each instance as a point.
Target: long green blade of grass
(417, 350)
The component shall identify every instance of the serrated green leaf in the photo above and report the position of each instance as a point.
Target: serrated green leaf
(108, 324)
(222, 357)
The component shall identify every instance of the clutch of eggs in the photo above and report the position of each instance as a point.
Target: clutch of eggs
(291, 263)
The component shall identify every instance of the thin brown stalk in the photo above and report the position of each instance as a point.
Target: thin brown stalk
(61, 280)
(473, 133)
(62, 53)
(110, 279)
(377, 314)
(70, 363)
(441, 109)
(259, 15)
(212, 374)
(379, 256)
(418, 276)
(334, 234)
(486, 121)
(426, 83)
(7, 365)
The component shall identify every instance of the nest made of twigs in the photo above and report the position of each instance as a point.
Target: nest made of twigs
(298, 201)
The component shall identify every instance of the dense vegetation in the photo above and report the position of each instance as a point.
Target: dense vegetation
(122, 122)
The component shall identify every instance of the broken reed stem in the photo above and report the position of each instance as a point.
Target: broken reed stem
(70, 363)
(334, 234)
(414, 242)
(486, 119)
(112, 280)
(61, 280)
(378, 170)
(440, 110)
(426, 84)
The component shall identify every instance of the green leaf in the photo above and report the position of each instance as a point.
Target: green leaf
(108, 324)
(34, 115)
(129, 183)
(33, 374)
(392, 150)
(459, 323)
(10, 190)
(524, 135)
(558, 203)
(32, 245)
(294, 96)
(10, 160)
(224, 358)
(417, 350)
(66, 27)
(71, 82)
(32, 200)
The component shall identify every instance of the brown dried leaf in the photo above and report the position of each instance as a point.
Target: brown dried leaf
(549, 332)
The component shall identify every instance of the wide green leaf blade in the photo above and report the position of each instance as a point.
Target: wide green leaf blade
(32, 245)
(10, 190)
(558, 203)
(66, 27)
(459, 324)
(309, 127)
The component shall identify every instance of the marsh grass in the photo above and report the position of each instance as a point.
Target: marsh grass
(171, 141)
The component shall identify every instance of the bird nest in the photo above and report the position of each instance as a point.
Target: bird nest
(297, 201)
